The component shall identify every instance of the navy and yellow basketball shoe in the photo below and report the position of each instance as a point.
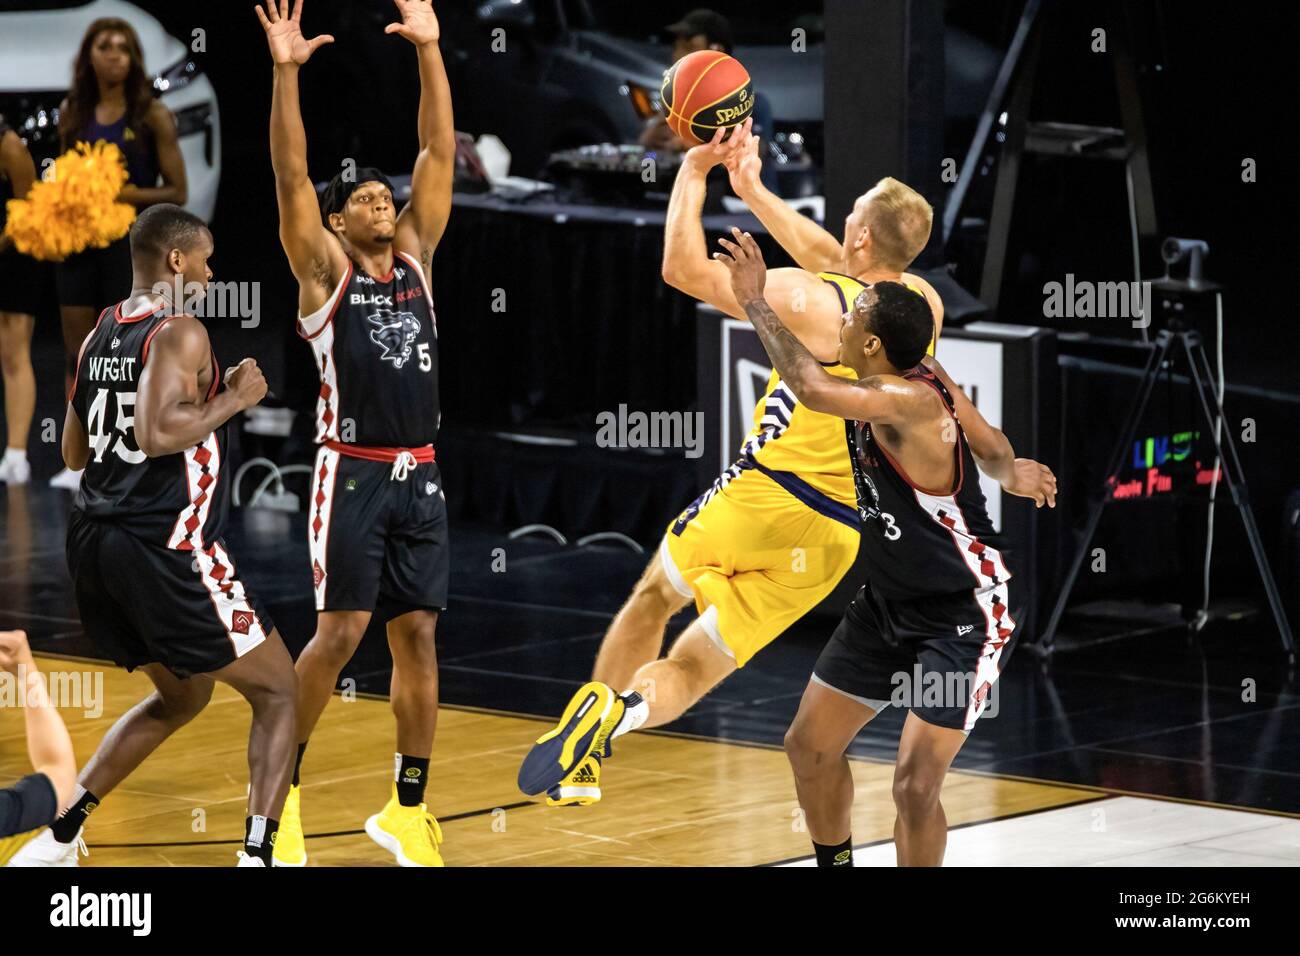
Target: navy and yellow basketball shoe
(580, 788)
(584, 728)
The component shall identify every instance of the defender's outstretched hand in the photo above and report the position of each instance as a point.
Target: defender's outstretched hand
(419, 23)
(1032, 479)
(284, 32)
(746, 265)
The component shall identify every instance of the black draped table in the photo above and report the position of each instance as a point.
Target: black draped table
(549, 313)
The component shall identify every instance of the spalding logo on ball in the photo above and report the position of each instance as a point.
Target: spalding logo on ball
(704, 91)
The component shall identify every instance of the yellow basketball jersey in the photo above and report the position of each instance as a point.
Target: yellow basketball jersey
(791, 438)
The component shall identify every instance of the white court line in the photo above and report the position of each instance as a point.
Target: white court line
(1120, 831)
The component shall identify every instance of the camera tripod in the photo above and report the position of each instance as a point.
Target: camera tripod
(1166, 350)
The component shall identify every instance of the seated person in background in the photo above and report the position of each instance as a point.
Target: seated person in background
(707, 30)
(34, 801)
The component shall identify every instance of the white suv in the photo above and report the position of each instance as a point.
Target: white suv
(38, 41)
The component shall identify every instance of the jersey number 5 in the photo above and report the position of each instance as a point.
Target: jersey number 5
(101, 440)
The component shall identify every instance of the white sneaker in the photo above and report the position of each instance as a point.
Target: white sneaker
(15, 472)
(246, 860)
(44, 850)
(67, 479)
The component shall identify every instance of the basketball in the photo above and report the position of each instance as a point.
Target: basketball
(703, 91)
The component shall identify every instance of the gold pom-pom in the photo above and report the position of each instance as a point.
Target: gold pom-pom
(74, 205)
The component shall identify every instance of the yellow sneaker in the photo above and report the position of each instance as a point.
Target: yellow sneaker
(290, 846)
(411, 834)
(584, 728)
(580, 788)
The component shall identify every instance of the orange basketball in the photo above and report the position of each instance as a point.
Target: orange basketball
(703, 91)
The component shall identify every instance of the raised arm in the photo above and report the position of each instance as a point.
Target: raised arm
(992, 449)
(171, 413)
(421, 224)
(688, 268)
(877, 399)
(315, 257)
(808, 244)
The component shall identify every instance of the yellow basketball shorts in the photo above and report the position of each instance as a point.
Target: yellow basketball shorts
(757, 551)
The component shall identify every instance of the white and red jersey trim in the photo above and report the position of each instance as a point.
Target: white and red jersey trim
(202, 465)
(229, 599)
(318, 526)
(990, 575)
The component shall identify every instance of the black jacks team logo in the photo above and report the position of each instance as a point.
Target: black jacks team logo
(860, 448)
(394, 333)
(241, 622)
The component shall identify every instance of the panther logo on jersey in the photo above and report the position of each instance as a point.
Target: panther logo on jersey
(859, 447)
(394, 332)
(868, 510)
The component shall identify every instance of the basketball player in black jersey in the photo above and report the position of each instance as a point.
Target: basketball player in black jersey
(155, 586)
(933, 619)
(377, 526)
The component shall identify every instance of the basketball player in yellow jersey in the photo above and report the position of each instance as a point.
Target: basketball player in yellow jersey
(773, 535)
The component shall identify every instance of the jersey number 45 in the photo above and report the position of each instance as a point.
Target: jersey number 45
(122, 436)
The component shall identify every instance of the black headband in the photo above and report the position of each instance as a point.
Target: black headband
(339, 190)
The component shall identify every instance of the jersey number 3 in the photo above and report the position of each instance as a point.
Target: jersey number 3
(122, 432)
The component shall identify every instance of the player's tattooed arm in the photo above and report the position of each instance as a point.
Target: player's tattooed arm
(171, 411)
(315, 257)
(869, 400)
(421, 224)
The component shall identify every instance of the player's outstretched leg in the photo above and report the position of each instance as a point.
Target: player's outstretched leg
(265, 678)
(816, 742)
(636, 635)
(132, 738)
(405, 827)
(318, 667)
(634, 639)
(597, 713)
(925, 752)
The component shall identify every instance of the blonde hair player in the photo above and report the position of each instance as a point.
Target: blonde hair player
(775, 533)
(937, 599)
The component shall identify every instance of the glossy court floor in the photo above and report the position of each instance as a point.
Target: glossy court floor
(1136, 751)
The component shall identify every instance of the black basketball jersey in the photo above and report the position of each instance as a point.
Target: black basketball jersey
(921, 542)
(175, 501)
(376, 347)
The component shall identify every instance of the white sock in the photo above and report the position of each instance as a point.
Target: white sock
(633, 717)
(17, 456)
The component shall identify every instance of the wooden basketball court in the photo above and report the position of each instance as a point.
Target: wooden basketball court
(669, 800)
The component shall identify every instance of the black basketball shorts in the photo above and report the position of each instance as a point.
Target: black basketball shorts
(142, 603)
(939, 656)
(377, 534)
